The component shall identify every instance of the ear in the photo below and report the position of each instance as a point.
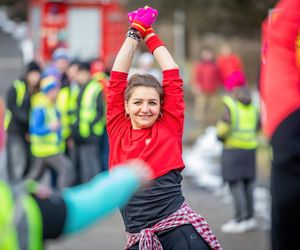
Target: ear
(126, 107)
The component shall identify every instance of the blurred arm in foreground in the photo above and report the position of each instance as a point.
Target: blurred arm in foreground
(31, 213)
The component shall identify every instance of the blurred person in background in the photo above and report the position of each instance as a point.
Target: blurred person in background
(58, 66)
(206, 82)
(61, 69)
(237, 129)
(63, 105)
(17, 121)
(87, 119)
(145, 65)
(228, 62)
(61, 60)
(144, 120)
(98, 73)
(280, 95)
(45, 135)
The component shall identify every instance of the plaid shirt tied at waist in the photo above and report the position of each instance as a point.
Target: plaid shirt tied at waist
(184, 215)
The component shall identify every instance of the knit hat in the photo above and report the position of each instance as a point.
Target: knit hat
(33, 66)
(60, 53)
(52, 71)
(235, 79)
(48, 83)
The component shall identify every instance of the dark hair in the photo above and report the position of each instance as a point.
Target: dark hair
(84, 66)
(143, 80)
(32, 66)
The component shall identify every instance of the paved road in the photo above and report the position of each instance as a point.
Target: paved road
(108, 235)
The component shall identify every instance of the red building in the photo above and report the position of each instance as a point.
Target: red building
(88, 28)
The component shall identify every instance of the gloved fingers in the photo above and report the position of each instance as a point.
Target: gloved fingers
(131, 16)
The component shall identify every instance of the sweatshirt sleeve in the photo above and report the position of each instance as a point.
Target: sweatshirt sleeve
(173, 103)
(90, 202)
(37, 122)
(115, 99)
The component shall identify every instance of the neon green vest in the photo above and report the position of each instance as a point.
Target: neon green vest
(20, 87)
(62, 104)
(8, 222)
(88, 110)
(73, 104)
(48, 144)
(243, 125)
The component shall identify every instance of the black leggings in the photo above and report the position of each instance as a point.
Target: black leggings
(181, 238)
(285, 184)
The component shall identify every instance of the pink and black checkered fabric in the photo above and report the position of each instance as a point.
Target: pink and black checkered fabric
(184, 215)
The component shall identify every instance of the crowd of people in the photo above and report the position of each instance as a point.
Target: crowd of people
(56, 120)
(208, 81)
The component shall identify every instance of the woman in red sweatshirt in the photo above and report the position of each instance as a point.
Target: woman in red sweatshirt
(145, 120)
(280, 98)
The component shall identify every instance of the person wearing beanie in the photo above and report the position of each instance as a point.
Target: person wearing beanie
(228, 61)
(45, 134)
(16, 121)
(58, 66)
(237, 130)
(87, 121)
(235, 79)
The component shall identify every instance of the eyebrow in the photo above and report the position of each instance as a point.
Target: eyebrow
(141, 99)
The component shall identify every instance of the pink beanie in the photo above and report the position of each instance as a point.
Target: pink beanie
(235, 79)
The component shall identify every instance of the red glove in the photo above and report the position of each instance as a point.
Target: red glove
(142, 19)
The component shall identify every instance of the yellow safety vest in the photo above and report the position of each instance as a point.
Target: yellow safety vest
(48, 144)
(9, 223)
(62, 104)
(20, 87)
(87, 110)
(243, 125)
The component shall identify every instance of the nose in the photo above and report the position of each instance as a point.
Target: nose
(145, 108)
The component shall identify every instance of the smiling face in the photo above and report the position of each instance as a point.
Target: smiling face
(143, 107)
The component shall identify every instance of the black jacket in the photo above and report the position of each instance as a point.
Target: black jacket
(20, 115)
(100, 113)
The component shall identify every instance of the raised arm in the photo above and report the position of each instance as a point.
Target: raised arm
(125, 55)
(140, 21)
(160, 52)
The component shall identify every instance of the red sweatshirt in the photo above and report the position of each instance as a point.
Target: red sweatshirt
(160, 145)
(280, 82)
(207, 77)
